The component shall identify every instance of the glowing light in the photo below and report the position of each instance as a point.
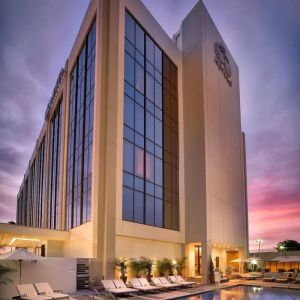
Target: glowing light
(22, 239)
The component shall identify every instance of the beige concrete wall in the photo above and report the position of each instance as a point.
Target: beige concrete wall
(130, 247)
(80, 242)
(215, 183)
(59, 272)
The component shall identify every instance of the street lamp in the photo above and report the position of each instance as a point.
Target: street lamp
(259, 242)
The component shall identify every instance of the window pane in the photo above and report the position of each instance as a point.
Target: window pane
(129, 69)
(139, 98)
(150, 146)
(158, 59)
(158, 132)
(129, 28)
(128, 157)
(139, 140)
(138, 207)
(149, 188)
(129, 47)
(139, 78)
(139, 162)
(158, 95)
(149, 126)
(127, 204)
(139, 40)
(129, 112)
(127, 179)
(158, 212)
(158, 171)
(149, 87)
(139, 184)
(128, 134)
(139, 119)
(149, 167)
(150, 50)
(149, 210)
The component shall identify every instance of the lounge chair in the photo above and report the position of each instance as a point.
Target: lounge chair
(143, 285)
(163, 282)
(181, 280)
(117, 287)
(286, 277)
(44, 288)
(28, 292)
(248, 276)
(269, 278)
(174, 279)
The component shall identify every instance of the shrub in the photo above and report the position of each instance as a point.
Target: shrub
(4, 270)
(181, 265)
(164, 267)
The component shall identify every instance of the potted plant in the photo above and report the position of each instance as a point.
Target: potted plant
(211, 275)
(147, 264)
(180, 265)
(164, 267)
(136, 267)
(121, 265)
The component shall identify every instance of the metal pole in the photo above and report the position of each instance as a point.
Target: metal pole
(20, 260)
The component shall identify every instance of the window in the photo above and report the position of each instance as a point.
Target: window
(30, 200)
(147, 118)
(54, 170)
(80, 137)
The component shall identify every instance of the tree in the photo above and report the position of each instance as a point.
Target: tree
(211, 274)
(288, 245)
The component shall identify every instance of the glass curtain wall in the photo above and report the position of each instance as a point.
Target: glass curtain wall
(54, 169)
(40, 184)
(80, 137)
(149, 126)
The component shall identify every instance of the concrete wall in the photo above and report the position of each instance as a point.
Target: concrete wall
(80, 242)
(214, 161)
(60, 273)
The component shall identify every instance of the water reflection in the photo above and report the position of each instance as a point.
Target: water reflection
(249, 293)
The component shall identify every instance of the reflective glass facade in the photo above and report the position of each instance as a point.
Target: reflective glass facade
(80, 136)
(150, 145)
(40, 184)
(54, 169)
(30, 197)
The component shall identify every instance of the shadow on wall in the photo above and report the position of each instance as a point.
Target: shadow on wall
(59, 272)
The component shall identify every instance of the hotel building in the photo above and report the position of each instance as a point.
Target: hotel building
(141, 152)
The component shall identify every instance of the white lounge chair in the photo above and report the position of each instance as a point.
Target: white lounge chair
(117, 287)
(28, 292)
(143, 285)
(44, 288)
(181, 280)
(286, 277)
(173, 279)
(163, 282)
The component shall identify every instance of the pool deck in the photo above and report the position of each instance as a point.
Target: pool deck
(192, 290)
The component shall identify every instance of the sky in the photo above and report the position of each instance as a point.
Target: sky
(264, 38)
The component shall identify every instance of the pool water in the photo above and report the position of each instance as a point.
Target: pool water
(248, 293)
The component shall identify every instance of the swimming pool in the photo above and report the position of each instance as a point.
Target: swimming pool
(248, 293)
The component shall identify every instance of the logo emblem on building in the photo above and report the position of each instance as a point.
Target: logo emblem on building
(222, 61)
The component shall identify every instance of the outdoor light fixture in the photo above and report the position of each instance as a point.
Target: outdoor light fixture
(259, 242)
(22, 239)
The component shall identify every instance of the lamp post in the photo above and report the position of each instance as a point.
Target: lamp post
(259, 242)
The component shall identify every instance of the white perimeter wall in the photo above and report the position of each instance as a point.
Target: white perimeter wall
(59, 272)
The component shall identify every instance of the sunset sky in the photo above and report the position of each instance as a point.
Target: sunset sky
(263, 37)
